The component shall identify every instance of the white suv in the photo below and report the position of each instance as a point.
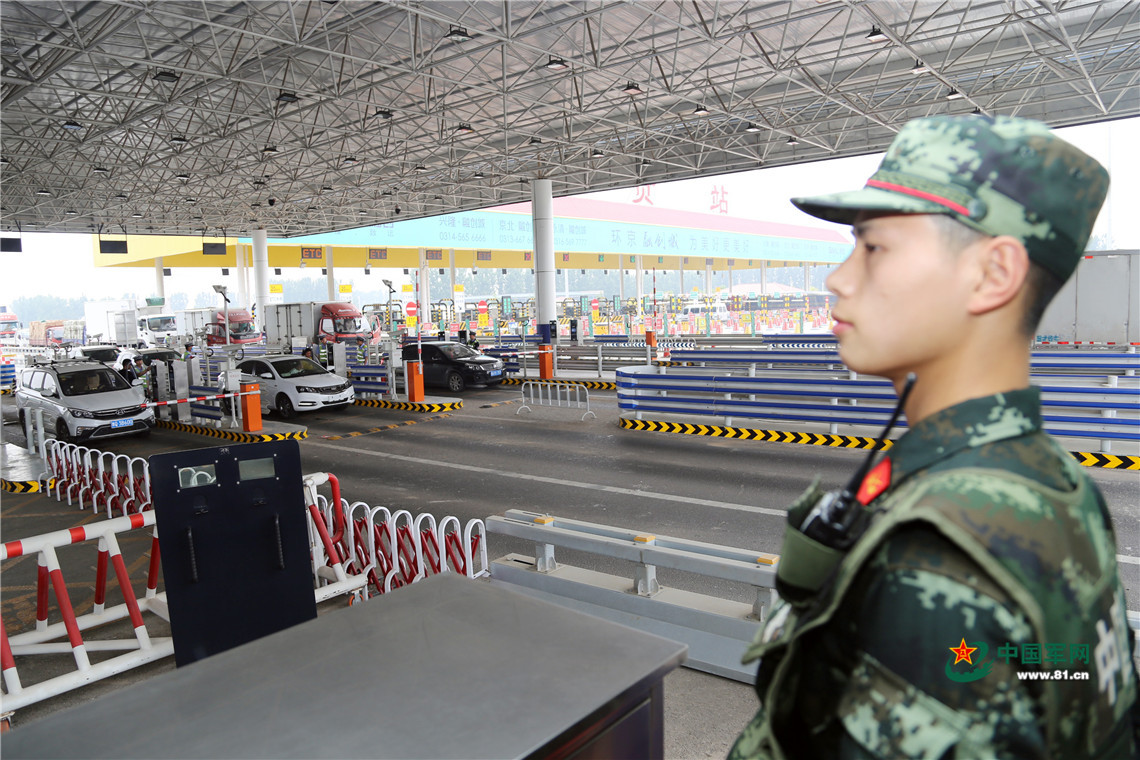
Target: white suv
(82, 400)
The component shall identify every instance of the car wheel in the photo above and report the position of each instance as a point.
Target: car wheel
(455, 382)
(61, 431)
(285, 406)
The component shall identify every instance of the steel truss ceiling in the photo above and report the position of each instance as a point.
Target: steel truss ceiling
(177, 117)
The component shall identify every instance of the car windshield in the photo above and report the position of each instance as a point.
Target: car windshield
(458, 351)
(161, 356)
(240, 328)
(102, 354)
(94, 380)
(298, 367)
(348, 325)
(161, 324)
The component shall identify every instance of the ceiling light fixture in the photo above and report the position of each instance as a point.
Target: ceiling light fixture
(100, 170)
(478, 175)
(464, 129)
(700, 111)
(137, 215)
(182, 176)
(269, 149)
(191, 200)
(596, 153)
(259, 183)
(179, 140)
(876, 35)
(72, 125)
(350, 160)
(793, 140)
(535, 141)
(121, 196)
(287, 97)
(919, 68)
(556, 64)
(167, 76)
(43, 192)
(631, 88)
(383, 113)
(751, 128)
(326, 189)
(419, 169)
(977, 111)
(954, 95)
(457, 34)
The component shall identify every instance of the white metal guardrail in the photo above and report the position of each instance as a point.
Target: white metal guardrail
(717, 630)
(555, 395)
(1105, 414)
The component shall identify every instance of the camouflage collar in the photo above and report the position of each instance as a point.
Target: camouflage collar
(966, 425)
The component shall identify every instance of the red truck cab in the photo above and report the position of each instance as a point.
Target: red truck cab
(243, 329)
(342, 323)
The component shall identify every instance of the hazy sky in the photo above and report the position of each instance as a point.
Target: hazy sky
(61, 264)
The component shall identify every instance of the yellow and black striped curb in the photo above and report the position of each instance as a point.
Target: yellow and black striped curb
(748, 434)
(598, 385)
(1107, 461)
(232, 435)
(1085, 458)
(6, 391)
(411, 406)
(382, 428)
(27, 486)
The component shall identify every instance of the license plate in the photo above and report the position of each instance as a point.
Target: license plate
(495, 372)
(122, 423)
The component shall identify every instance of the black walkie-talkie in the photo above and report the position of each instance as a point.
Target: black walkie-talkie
(837, 520)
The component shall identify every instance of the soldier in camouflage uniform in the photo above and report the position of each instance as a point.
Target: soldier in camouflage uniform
(980, 613)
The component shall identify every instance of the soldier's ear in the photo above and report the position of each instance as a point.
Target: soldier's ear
(1000, 265)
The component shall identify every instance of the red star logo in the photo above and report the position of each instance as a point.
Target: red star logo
(963, 652)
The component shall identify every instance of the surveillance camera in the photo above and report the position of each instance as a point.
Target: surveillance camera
(397, 209)
(220, 289)
(272, 201)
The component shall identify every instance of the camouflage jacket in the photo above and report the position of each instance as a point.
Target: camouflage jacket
(980, 615)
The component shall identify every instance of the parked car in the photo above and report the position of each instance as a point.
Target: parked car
(291, 384)
(82, 400)
(454, 365)
(112, 356)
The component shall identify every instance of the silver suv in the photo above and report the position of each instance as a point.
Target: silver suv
(82, 400)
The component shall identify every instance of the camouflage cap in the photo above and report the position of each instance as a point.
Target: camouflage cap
(999, 175)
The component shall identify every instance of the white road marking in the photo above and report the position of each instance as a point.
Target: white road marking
(1128, 560)
(560, 482)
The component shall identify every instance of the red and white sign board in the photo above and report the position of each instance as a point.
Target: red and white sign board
(482, 307)
(411, 309)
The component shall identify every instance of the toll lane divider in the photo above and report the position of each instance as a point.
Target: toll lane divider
(600, 385)
(412, 406)
(1085, 458)
(232, 435)
(382, 428)
(65, 637)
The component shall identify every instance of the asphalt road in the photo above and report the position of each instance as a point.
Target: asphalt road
(487, 458)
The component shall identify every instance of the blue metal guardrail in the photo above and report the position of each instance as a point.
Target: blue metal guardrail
(209, 410)
(644, 390)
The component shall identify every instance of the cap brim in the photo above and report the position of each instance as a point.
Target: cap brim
(842, 208)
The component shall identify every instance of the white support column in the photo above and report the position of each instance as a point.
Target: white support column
(682, 286)
(240, 262)
(260, 273)
(730, 280)
(159, 281)
(639, 283)
(331, 277)
(542, 214)
(708, 280)
(807, 277)
(451, 290)
(763, 277)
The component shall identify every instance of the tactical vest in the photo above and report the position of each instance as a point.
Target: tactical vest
(1076, 544)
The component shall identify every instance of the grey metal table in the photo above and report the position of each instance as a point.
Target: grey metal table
(445, 668)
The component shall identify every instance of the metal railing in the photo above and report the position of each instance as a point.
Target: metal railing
(555, 395)
(1103, 413)
(717, 630)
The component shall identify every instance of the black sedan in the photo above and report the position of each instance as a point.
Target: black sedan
(455, 366)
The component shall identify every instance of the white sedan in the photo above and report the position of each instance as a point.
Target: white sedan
(291, 384)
